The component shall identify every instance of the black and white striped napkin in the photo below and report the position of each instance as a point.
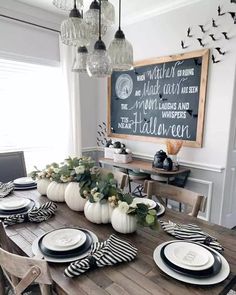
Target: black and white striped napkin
(190, 232)
(6, 188)
(112, 251)
(40, 214)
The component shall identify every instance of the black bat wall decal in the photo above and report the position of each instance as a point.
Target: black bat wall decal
(219, 11)
(225, 34)
(233, 14)
(214, 25)
(200, 41)
(233, 1)
(183, 45)
(220, 51)
(213, 37)
(197, 62)
(214, 59)
(202, 28)
(189, 33)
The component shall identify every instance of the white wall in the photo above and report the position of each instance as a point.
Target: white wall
(161, 36)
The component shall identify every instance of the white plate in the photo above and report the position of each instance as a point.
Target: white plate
(161, 209)
(148, 202)
(14, 203)
(24, 180)
(221, 276)
(36, 251)
(189, 255)
(64, 239)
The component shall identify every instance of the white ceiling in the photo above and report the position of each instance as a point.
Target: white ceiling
(132, 10)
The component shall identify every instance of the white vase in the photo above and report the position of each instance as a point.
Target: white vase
(73, 198)
(122, 222)
(42, 185)
(56, 191)
(97, 212)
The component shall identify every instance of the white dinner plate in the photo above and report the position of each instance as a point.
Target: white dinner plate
(64, 239)
(152, 204)
(36, 251)
(161, 209)
(14, 203)
(188, 255)
(219, 277)
(24, 181)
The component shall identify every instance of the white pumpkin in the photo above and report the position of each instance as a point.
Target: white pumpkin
(73, 198)
(97, 212)
(42, 185)
(122, 222)
(56, 191)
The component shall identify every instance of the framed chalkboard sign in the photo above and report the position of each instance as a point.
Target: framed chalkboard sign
(160, 98)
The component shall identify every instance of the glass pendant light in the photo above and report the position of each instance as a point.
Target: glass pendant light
(80, 62)
(108, 13)
(91, 18)
(67, 4)
(74, 29)
(121, 50)
(99, 62)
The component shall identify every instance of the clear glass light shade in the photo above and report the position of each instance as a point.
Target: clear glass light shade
(80, 62)
(121, 54)
(74, 31)
(108, 13)
(99, 64)
(67, 4)
(91, 18)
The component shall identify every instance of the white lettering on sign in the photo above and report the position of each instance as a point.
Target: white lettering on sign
(185, 72)
(141, 78)
(193, 89)
(137, 92)
(124, 106)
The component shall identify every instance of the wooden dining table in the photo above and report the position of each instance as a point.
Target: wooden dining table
(139, 277)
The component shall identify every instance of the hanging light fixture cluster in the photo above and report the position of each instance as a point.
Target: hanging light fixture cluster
(80, 29)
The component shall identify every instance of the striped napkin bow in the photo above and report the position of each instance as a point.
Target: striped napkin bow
(40, 214)
(110, 252)
(6, 188)
(190, 232)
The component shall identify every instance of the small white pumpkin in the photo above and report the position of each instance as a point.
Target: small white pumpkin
(42, 185)
(97, 212)
(56, 191)
(73, 198)
(122, 222)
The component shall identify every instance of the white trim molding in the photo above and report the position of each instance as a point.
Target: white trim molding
(152, 12)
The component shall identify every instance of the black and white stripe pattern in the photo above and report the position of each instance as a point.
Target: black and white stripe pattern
(190, 232)
(40, 214)
(112, 251)
(6, 188)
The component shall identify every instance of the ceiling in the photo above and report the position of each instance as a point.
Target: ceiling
(132, 10)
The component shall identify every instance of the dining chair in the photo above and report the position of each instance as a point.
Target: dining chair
(121, 178)
(161, 190)
(12, 166)
(20, 271)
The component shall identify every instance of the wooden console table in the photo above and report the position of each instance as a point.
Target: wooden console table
(181, 175)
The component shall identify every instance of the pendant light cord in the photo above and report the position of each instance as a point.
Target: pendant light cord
(74, 4)
(119, 14)
(100, 8)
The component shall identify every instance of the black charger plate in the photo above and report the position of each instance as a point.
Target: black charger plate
(206, 273)
(23, 210)
(67, 253)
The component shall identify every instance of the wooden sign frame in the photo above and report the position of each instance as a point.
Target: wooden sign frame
(204, 54)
